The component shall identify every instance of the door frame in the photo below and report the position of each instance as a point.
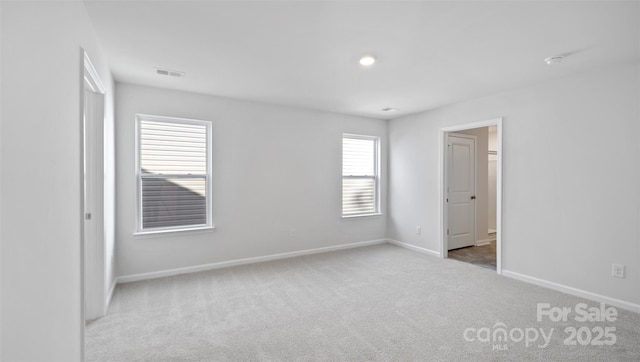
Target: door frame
(475, 184)
(91, 80)
(443, 140)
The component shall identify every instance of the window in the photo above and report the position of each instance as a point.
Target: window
(359, 175)
(173, 166)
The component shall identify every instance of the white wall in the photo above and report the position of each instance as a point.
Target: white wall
(274, 169)
(482, 178)
(570, 171)
(41, 177)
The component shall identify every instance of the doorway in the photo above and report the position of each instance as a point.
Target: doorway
(471, 184)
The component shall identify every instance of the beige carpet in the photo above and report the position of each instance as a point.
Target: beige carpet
(378, 303)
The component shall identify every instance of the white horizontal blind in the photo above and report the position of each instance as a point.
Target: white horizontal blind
(359, 175)
(174, 173)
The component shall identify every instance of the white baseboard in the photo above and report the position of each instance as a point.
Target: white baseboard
(484, 242)
(573, 291)
(414, 248)
(224, 264)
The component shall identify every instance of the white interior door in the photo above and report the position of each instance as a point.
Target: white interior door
(93, 204)
(461, 195)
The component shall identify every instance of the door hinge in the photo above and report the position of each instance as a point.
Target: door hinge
(447, 231)
(87, 216)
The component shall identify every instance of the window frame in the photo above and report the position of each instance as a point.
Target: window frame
(138, 174)
(376, 178)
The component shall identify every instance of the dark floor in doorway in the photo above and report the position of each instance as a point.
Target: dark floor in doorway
(484, 256)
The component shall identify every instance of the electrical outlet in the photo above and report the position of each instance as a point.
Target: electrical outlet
(617, 270)
(418, 230)
(292, 233)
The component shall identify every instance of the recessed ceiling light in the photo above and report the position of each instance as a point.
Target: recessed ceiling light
(367, 60)
(390, 109)
(554, 60)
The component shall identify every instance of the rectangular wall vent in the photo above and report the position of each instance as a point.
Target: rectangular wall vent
(170, 73)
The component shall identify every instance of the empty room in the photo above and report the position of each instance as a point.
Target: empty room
(319, 180)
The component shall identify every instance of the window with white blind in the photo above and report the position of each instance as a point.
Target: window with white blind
(359, 175)
(174, 173)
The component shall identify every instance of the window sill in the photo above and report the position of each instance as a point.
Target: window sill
(361, 215)
(170, 231)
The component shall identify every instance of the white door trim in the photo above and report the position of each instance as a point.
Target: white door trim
(444, 133)
(91, 76)
(475, 185)
(93, 253)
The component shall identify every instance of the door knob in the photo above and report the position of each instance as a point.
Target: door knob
(473, 197)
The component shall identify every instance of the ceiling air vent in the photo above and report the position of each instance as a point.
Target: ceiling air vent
(170, 73)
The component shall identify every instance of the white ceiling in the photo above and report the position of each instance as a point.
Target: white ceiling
(305, 53)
